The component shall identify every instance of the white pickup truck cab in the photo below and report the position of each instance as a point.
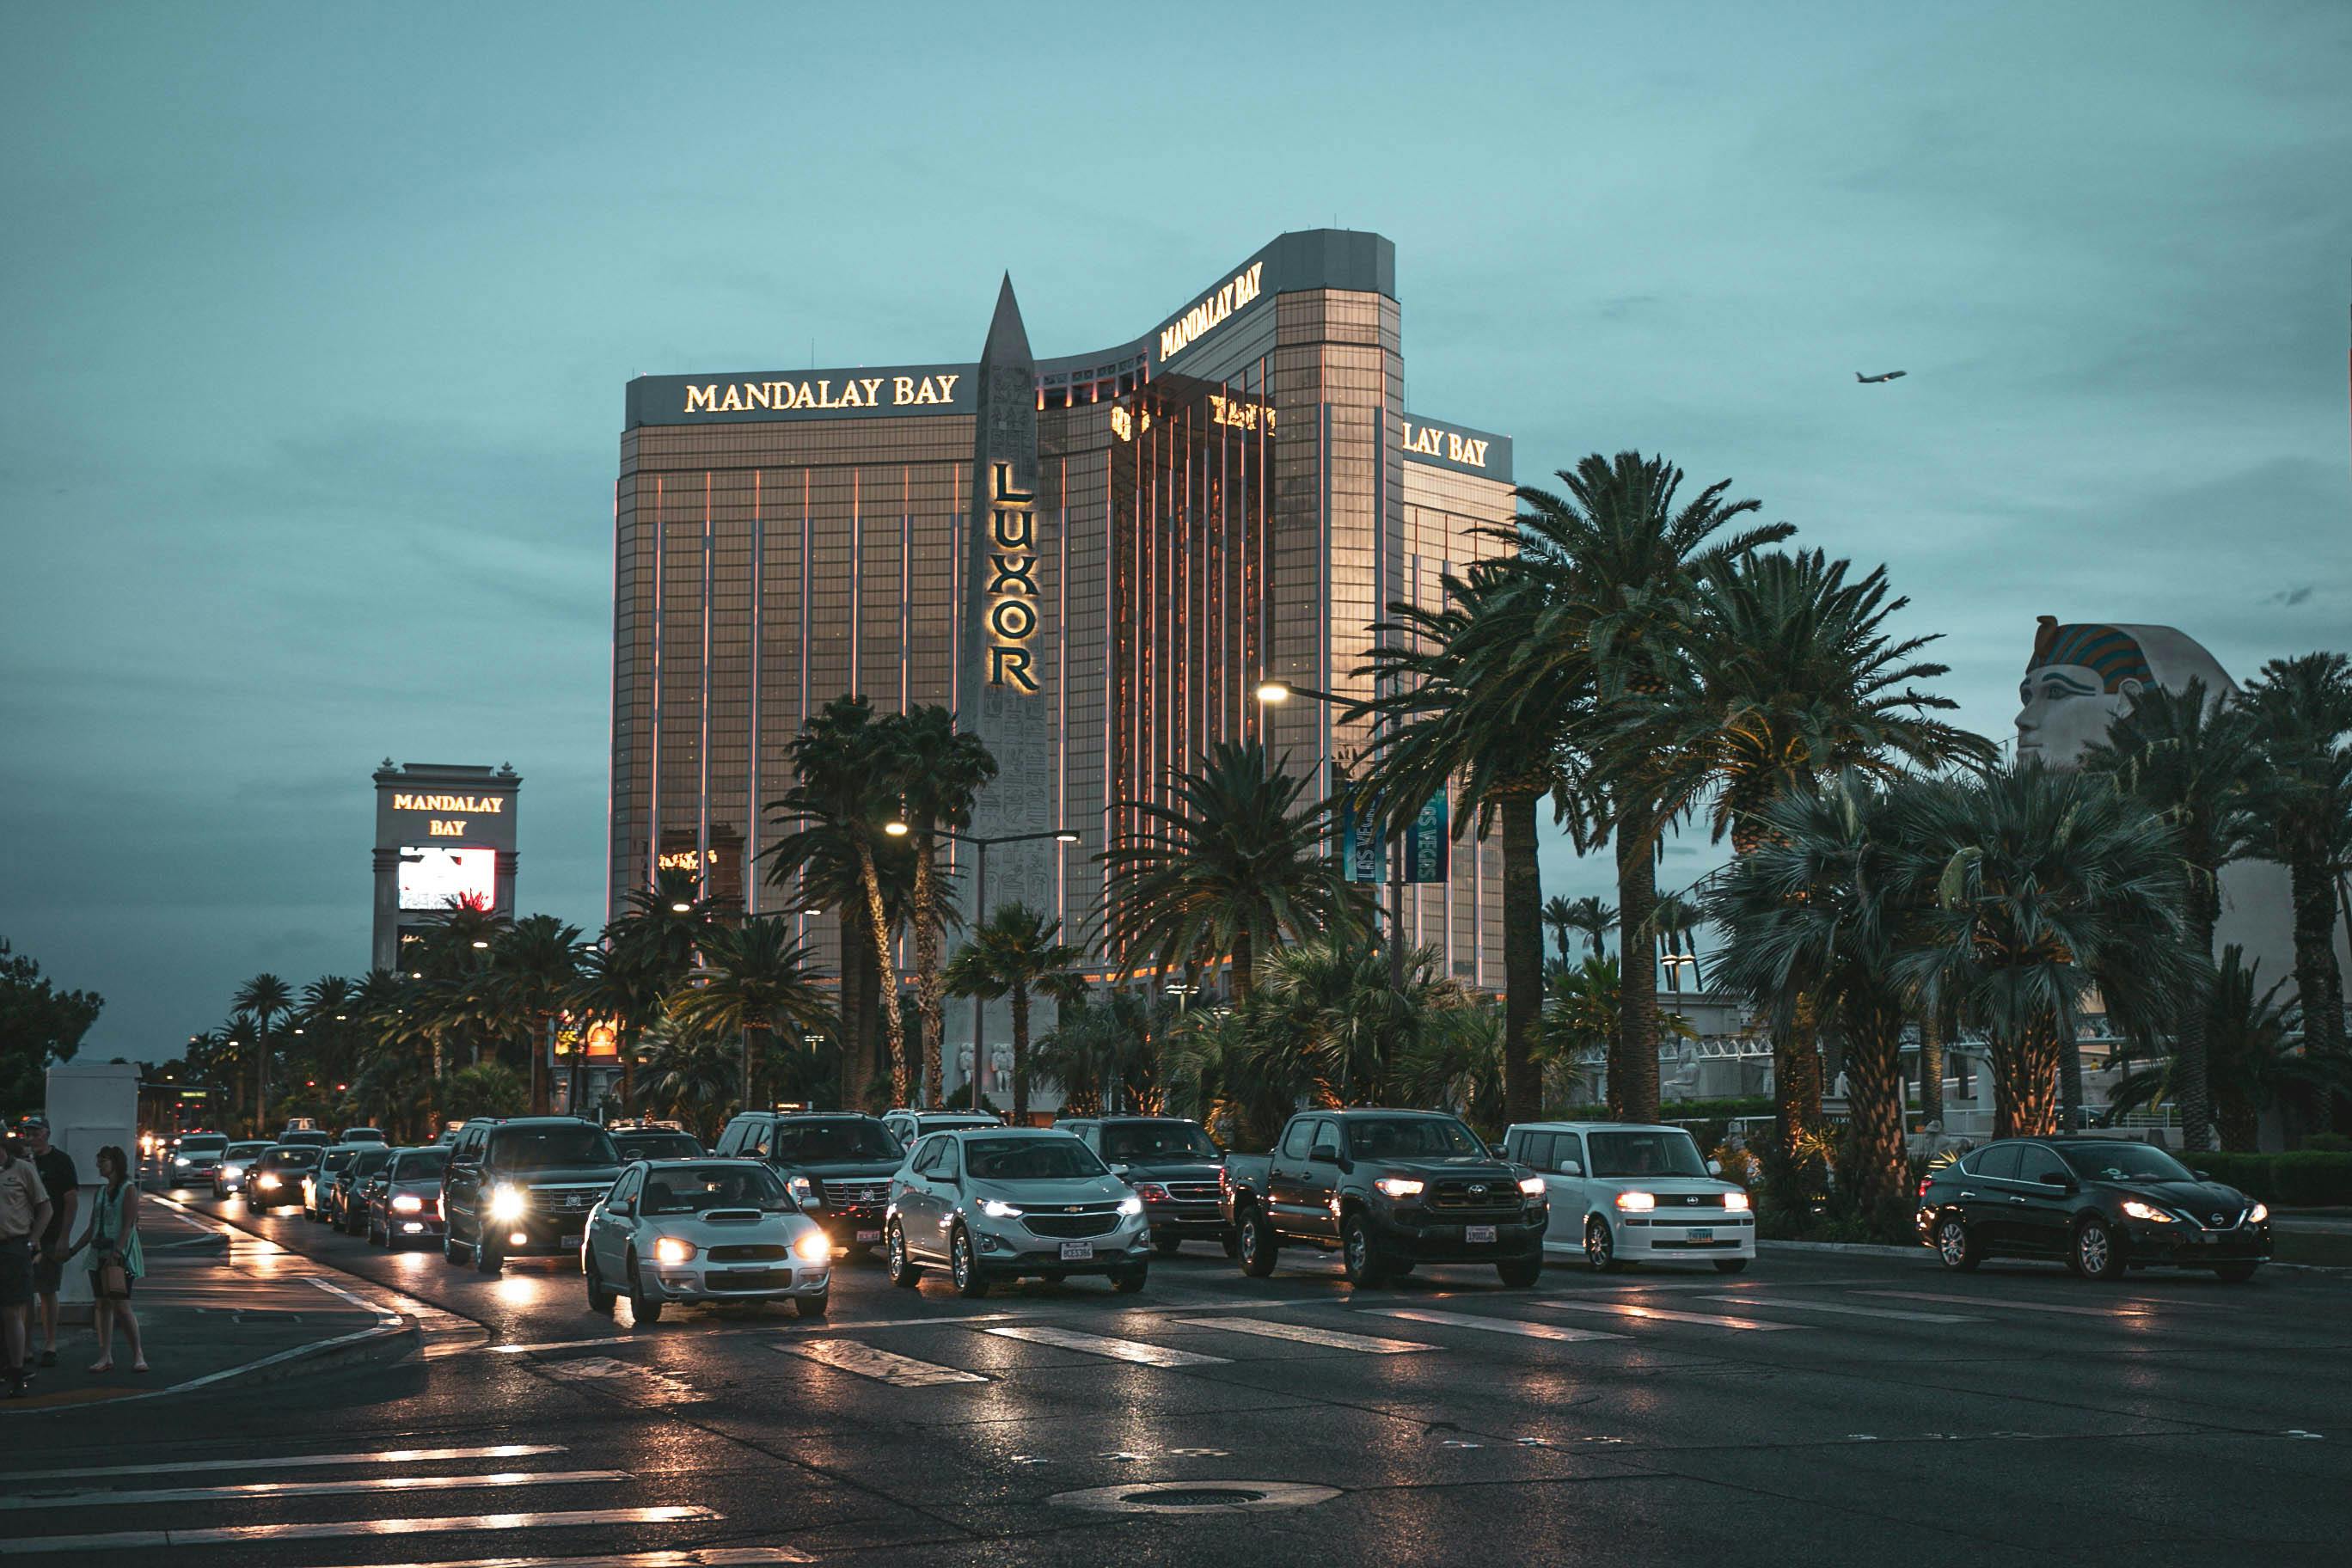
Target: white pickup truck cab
(1624, 1193)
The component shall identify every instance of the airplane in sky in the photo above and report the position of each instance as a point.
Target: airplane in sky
(1873, 380)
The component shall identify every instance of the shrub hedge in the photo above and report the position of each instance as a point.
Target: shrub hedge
(2306, 1178)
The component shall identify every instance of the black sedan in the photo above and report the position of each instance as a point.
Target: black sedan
(2102, 1204)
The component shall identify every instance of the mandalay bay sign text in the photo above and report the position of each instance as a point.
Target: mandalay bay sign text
(854, 393)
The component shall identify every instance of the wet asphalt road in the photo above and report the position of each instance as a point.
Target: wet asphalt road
(1824, 1408)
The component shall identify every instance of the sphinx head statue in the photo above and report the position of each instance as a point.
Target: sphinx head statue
(2082, 677)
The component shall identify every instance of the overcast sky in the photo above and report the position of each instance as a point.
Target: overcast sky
(316, 321)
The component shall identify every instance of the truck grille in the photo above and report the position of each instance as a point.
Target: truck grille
(564, 1200)
(856, 1194)
(1498, 1196)
(1072, 1227)
(1194, 1191)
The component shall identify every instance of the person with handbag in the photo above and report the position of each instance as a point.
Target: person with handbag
(115, 1259)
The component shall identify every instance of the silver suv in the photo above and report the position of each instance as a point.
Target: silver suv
(999, 1202)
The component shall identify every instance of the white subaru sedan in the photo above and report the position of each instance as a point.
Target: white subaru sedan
(1624, 1193)
(706, 1231)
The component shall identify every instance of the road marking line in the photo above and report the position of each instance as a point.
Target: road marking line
(1998, 1305)
(1846, 1310)
(829, 1325)
(654, 1386)
(882, 1366)
(291, 1461)
(566, 1344)
(254, 1489)
(1492, 1325)
(692, 1557)
(384, 1314)
(1134, 1350)
(1660, 1314)
(230, 1534)
(1329, 1338)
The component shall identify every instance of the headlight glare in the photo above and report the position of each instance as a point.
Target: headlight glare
(1735, 1200)
(2135, 1210)
(997, 1208)
(181, 1160)
(815, 1248)
(2259, 1213)
(1637, 1202)
(509, 1204)
(408, 1203)
(1531, 1186)
(1400, 1186)
(670, 1250)
(1131, 1205)
(270, 1181)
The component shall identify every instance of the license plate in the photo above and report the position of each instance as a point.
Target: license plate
(870, 1235)
(571, 1241)
(1478, 1233)
(1702, 1235)
(1077, 1251)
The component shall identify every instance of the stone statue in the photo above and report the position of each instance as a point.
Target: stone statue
(2082, 677)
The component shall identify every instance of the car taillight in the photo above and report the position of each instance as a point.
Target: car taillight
(1924, 1182)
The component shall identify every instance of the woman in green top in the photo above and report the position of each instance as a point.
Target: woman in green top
(113, 1237)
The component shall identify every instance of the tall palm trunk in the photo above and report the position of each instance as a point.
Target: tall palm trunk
(1796, 1076)
(2025, 1082)
(2191, 1088)
(1874, 1065)
(1931, 1064)
(930, 980)
(1522, 959)
(894, 1029)
(261, 1091)
(542, 1048)
(2318, 984)
(1633, 1063)
(1244, 968)
(856, 1053)
(626, 1038)
(2239, 1122)
(1020, 1055)
(2069, 1081)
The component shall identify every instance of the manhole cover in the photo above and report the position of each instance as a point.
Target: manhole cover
(1185, 1498)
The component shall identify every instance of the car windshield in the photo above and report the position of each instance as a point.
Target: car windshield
(657, 1145)
(851, 1138)
(246, 1150)
(424, 1165)
(1410, 1138)
(291, 1159)
(201, 1143)
(549, 1147)
(336, 1158)
(1030, 1158)
(1645, 1155)
(1142, 1141)
(2121, 1161)
(691, 1189)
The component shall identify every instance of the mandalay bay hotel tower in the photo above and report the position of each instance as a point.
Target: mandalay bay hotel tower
(1095, 559)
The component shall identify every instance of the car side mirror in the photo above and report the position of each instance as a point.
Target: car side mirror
(1715, 1167)
(2201, 1175)
(1570, 1168)
(625, 1207)
(2058, 1179)
(1325, 1154)
(1500, 1150)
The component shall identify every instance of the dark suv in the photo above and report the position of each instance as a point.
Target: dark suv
(837, 1167)
(522, 1187)
(1173, 1167)
(2104, 1205)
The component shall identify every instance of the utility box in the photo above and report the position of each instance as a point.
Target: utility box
(90, 1106)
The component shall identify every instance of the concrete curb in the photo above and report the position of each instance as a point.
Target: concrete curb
(381, 1345)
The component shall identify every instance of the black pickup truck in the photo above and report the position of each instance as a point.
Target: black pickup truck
(1389, 1189)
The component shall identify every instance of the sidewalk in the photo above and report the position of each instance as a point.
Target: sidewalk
(215, 1307)
(2312, 1236)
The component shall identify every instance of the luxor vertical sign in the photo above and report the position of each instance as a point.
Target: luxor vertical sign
(1012, 582)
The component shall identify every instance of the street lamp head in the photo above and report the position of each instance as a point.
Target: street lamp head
(681, 907)
(1272, 691)
(478, 942)
(1065, 837)
(814, 910)
(896, 827)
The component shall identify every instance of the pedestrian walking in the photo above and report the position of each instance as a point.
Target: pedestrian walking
(63, 1183)
(115, 1259)
(24, 1215)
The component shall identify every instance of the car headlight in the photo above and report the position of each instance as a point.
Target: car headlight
(804, 1191)
(997, 1208)
(1637, 1202)
(267, 1181)
(408, 1203)
(233, 1172)
(2135, 1210)
(2259, 1213)
(815, 1248)
(509, 1204)
(1735, 1200)
(1130, 1207)
(182, 1159)
(1399, 1186)
(670, 1250)
(1531, 1186)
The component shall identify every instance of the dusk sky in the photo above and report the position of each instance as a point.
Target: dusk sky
(319, 318)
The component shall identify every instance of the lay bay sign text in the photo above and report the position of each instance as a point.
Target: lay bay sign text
(1455, 446)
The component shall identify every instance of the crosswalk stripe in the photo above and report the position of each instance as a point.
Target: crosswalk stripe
(291, 1461)
(640, 1384)
(251, 1490)
(692, 1557)
(231, 1535)
(882, 1366)
(1330, 1339)
(1492, 1325)
(2004, 1305)
(1660, 1314)
(1844, 1311)
(1134, 1350)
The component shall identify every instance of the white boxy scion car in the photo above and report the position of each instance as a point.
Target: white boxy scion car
(999, 1202)
(1622, 1193)
(703, 1230)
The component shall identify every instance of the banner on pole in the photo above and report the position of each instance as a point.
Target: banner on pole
(1425, 843)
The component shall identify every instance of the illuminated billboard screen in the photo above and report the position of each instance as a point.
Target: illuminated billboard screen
(430, 878)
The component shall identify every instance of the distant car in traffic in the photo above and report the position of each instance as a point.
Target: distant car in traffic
(274, 1180)
(908, 1125)
(655, 1143)
(705, 1231)
(1174, 1167)
(305, 1137)
(522, 1186)
(2104, 1205)
(195, 1157)
(236, 1161)
(837, 1166)
(332, 1159)
(1624, 1193)
(401, 1201)
(1003, 1203)
(362, 1135)
(338, 1203)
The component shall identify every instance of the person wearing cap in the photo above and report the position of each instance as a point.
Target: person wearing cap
(63, 1183)
(24, 1215)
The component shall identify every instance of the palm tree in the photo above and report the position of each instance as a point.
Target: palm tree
(1017, 951)
(1237, 1076)
(535, 967)
(689, 1074)
(268, 1001)
(1105, 1052)
(621, 982)
(1591, 916)
(1233, 868)
(941, 770)
(755, 980)
(2302, 711)
(2195, 764)
(2253, 1057)
(1336, 998)
(2047, 884)
(1614, 565)
(652, 947)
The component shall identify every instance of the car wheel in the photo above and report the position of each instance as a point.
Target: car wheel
(903, 1272)
(383, 1240)
(1730, 1264)
(1957, 1245)
(1519, 1273)
(965, 1267)
(644, 1304)
(2096, 1254)
(1168, 1245)
(813, 1306)
(600, 1295)
(1599, 1245)
(1360, 1251)
(2235, 1273)
(1128, 1282)
(1255, 1244)
(488, 1259)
